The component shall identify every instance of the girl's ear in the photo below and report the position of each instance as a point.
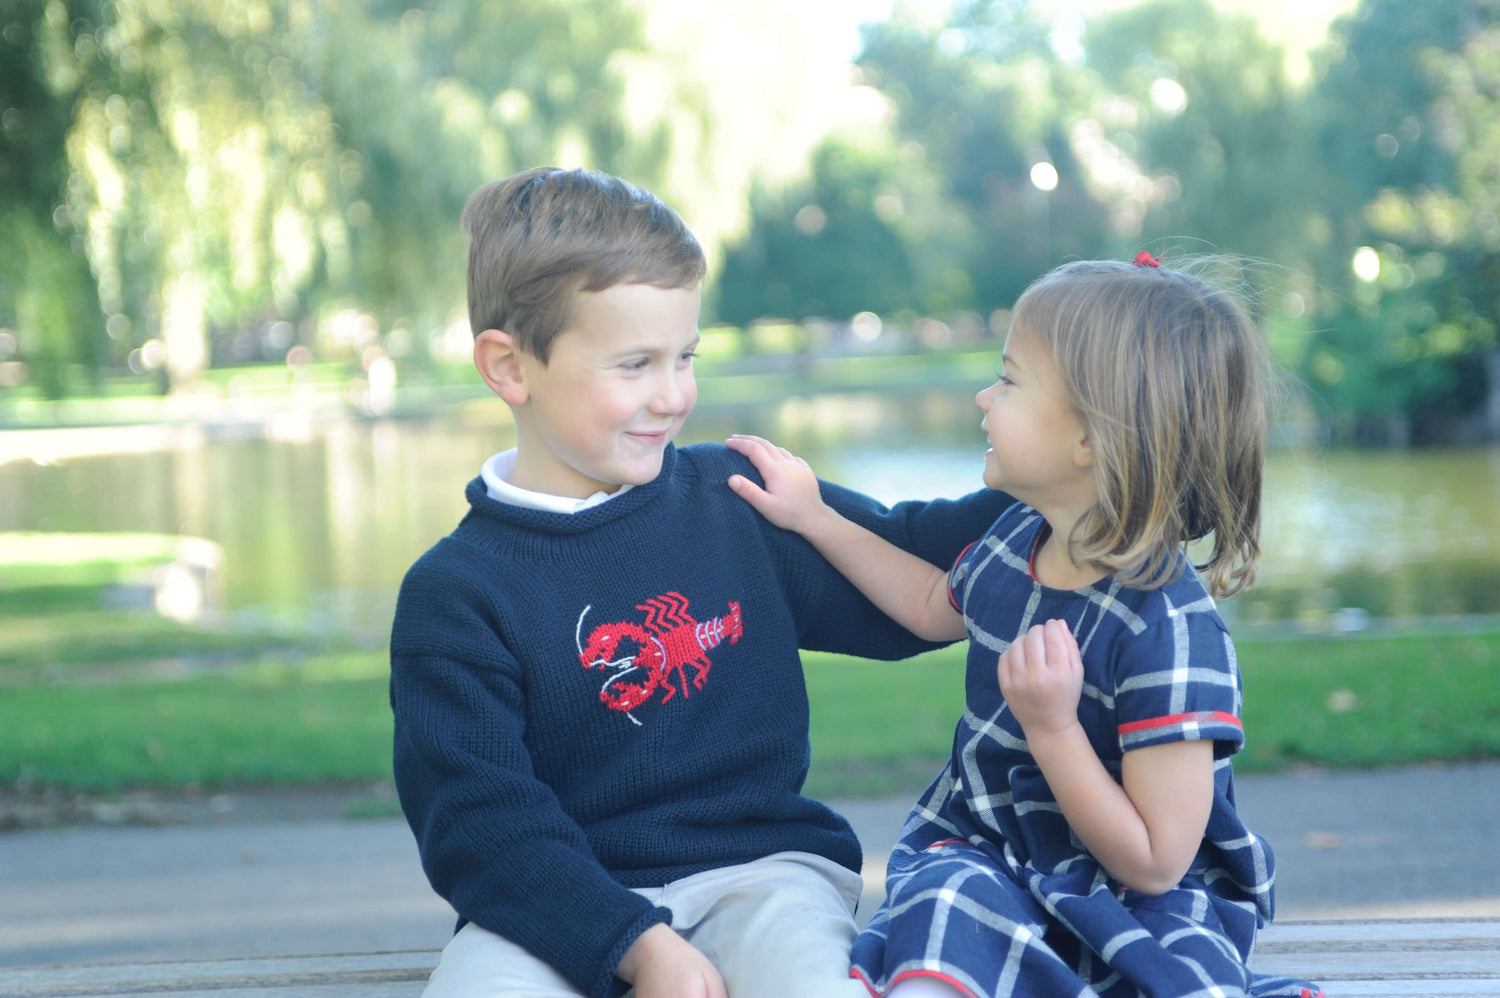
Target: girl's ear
(1083, 453)
(499, 362)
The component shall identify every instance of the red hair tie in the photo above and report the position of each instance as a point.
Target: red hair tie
(1144, 259)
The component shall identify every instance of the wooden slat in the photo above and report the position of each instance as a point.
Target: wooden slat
(1406, 958)
(1386, 958)
(1347, 931)
(362, 972)
(1413, 989)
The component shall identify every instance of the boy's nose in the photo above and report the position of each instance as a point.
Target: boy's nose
(672, 392)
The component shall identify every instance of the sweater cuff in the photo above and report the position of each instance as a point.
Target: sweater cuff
(610, 986)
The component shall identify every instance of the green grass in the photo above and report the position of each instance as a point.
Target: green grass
(1334, 702)
(881, 727)
(320, 721)
(1371, 701)
(878, 727)
(33, 559)
(88, 637)
(51, 632)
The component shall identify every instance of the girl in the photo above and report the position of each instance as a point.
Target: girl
(1083, 838)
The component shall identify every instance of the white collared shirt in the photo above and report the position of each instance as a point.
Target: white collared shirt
(496, 473)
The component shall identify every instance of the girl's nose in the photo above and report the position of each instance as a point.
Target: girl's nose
(982, 398)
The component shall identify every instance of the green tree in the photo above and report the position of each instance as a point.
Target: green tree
(46, 291)
(985, 99)
(225, 167)
(431, 102)
(1198, 103)
(204, 177)
(830, 247)
(1409, 126)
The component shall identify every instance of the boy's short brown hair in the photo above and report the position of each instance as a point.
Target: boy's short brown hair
(539, 237)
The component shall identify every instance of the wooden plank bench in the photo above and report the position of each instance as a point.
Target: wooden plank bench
(1404, 958)
(1387, 958)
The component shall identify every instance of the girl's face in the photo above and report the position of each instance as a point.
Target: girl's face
(1039, 451)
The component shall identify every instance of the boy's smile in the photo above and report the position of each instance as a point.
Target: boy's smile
(615, 390)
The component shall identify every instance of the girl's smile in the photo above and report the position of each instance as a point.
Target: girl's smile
(1038, 448)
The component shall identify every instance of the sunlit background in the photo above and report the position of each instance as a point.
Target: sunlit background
(231, 271)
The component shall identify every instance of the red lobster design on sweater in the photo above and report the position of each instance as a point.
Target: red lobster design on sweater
(667, 643)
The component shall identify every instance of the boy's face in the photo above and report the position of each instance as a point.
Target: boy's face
(614, 391)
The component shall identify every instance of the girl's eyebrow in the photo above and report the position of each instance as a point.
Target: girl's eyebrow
(1009, 362)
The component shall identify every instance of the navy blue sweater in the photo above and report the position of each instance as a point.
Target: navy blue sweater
(610, 699)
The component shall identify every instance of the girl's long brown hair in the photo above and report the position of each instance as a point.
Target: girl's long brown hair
(1166, 373)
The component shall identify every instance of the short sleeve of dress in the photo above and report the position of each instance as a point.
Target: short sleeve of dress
(1178, 680)
(956, 576)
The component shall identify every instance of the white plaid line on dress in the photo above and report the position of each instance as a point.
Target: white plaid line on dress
(1212, 677)
(1095, 693)
(1107, 603)
(1180, 648)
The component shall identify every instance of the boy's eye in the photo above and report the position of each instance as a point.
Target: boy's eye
(635, 363)
(688, 355)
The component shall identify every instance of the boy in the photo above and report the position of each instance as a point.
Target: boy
(600, 717)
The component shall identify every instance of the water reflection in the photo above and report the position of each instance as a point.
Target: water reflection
(318, 523)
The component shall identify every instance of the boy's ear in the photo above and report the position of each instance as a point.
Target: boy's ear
(498, 359)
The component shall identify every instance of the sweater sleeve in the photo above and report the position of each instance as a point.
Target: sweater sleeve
(494, 840)
(833, 615)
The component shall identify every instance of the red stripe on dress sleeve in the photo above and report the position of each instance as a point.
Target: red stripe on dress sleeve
(936, 975)
(1203, 716)
(951, 601)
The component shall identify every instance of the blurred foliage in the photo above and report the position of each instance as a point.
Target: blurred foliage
(195, 183)
(828, 250)
(1216, 166)
(191, 183)
(45, 285)
(1179, 127)
(1407, 125)
(230, 167)
(974, 105)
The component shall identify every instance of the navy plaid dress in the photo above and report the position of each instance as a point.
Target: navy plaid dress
(990, 890)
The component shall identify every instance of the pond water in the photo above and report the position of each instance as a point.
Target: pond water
(318, 521)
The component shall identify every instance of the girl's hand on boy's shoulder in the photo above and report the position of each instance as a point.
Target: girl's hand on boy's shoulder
(1041, 678)
(790, 498)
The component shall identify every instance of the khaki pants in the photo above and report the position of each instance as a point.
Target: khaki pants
(779, 927)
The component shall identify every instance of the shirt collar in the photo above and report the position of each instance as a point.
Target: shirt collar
(496, 472)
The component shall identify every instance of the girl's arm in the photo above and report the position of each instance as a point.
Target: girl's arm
(909, 590)
(1145, 833)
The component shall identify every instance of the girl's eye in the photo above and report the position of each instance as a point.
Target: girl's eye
(1000, 378)
(688, 355)
(636, 364)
